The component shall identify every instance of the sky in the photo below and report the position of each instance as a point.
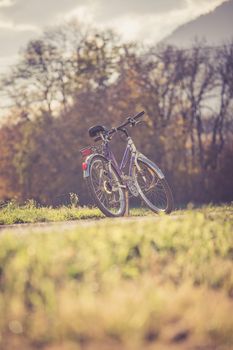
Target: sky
(145, 20)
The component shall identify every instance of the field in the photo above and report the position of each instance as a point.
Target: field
(30, 213)
(146, 282)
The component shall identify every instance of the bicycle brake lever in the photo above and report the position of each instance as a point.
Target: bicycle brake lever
(137, 122)
(140, 122)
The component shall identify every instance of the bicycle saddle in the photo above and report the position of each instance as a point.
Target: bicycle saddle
(95, 130)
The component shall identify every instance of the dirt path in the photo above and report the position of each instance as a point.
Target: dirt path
(69, 225)
(46, 225)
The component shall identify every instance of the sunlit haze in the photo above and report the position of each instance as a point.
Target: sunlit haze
(147, 21)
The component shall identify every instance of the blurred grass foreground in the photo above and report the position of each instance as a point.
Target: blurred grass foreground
(141, 283)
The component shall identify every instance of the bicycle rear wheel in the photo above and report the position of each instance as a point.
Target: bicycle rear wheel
(106, 187)
(154, 192)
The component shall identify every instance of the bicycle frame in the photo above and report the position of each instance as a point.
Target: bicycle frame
(130, 155)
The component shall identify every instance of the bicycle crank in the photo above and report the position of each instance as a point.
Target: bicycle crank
(132, 187)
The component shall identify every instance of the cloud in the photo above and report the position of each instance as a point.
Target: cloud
(10, 38)
(37, 12)
(112, 8)
(6, 3)
(145, 20)
(46, 12)
(149, 21)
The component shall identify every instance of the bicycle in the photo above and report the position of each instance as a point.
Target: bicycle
(107, 182)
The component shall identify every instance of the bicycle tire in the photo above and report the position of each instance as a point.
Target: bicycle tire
(143, 193)
(97, 200)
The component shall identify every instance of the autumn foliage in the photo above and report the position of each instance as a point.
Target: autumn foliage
(73, 77)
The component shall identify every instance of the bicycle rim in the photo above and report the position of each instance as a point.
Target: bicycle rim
(154, 191)
(106, 188)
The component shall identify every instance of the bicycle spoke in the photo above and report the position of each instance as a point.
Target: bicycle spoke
(152, 187)
(107, 187)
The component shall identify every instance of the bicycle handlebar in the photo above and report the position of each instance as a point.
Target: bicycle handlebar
(139, 115)
(130, 120)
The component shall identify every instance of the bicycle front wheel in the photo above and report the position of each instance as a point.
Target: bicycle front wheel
(106, 187)
(154, 192)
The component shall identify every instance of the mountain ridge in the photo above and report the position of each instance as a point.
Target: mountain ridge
(215, 27)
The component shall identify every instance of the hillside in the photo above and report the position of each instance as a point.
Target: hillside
(215, 27)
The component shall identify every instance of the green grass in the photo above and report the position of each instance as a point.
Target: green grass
(30, 213)
(164, 283)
